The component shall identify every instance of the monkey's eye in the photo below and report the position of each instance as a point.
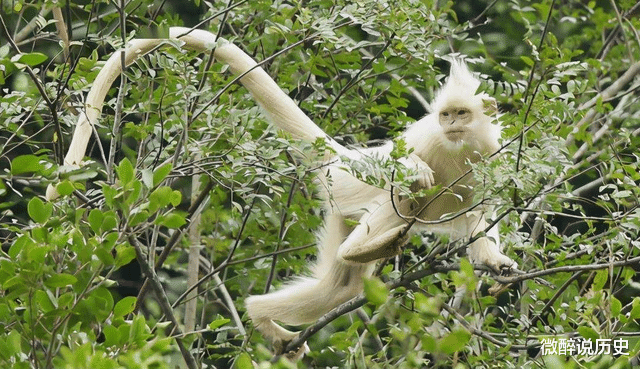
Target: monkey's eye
(462, 111)
(444, 114)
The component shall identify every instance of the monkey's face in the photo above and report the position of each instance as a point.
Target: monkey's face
(455, 122)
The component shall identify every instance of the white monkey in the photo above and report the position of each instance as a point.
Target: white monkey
(444, 142)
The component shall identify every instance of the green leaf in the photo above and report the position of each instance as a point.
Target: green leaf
(124, 254)
(39, 211)
(60, 280)
(527, 60)
(161, 173)
(138, 218)
(218, 322)
(375, 291)
(110, 194)
(635, 310)
(175, 198)
(14, 340)
(124, 330)
(124, 306)
(243, 361)
(588, 333)
(172, 220)
(65, 188)
(25, 164)
(159, 198)
(4, 50)
(616, 306)
(19, 245)
(351, 222)
(138, 333)
(104, 256)
(455, 341)
(125, 171)
(95, 220)
(44, 300)
(431, 306)
(600, 279)
(466, 268)
(109, 222)
(31, 59)
(111, 335)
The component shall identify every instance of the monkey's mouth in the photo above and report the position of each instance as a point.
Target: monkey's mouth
(455, 134)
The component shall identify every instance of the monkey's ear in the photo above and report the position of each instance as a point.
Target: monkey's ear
(489, 105)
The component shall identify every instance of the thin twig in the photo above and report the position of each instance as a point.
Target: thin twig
(163, 301)
(177, 235)
(281, 234)
(354, 79)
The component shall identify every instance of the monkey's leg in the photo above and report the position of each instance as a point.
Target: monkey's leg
(486, 250)
(382, 246)
(306, 299)
(379, 235)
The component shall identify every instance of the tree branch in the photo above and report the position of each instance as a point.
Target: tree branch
(407, 279)
(565, 269)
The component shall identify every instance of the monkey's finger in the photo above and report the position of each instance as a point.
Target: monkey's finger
(432, 181)
(427, 180)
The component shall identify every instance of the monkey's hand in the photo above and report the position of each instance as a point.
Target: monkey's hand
(424, 177)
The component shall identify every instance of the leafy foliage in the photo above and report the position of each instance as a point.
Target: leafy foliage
(565, 184)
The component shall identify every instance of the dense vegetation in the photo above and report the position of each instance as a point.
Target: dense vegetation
(185, 173)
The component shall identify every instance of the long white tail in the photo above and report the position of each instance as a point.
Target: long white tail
(281, 110)
(307, 299)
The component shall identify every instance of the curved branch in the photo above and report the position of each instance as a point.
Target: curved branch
(61, 27)
(33, 23)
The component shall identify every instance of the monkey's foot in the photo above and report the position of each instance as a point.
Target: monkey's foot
(501, 264)
(492, 258)
(498, 288)
(383, 246)
(293, 355)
